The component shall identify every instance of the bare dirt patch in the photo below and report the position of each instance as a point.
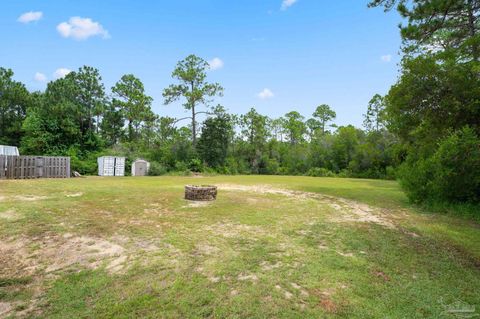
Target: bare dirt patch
(79, 194)
(29, 198)
(231, 230)
(206, 249)
(9, 215)
(266, 266)
(5, 307)
(87, 252)
(196, 204)
(244, 277)
(348, 210)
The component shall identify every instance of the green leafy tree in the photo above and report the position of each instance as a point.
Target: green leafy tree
(324, 114)
(193, 87)
(215, 139)
(439, 26)
(374, 119)
(254, 130)
(345, 146)
(112, 125)
(52, 125)
(277, 127)
(313, 126)
(134, 104)
(295, 127)
(14, 101)
(90, 94)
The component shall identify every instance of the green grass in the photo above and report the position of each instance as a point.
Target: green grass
(250, 254)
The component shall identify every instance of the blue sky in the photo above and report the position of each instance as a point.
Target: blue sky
(307, 53)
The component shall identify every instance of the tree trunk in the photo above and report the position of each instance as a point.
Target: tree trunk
(194, 127)
(194, 124)
(130, 130)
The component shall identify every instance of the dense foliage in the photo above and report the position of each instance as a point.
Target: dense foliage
(434, 108)
(75, 116)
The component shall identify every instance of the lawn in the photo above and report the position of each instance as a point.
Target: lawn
(269, 247)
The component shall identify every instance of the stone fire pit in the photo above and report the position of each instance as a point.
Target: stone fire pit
(201, 192)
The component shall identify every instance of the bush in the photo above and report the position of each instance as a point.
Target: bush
(181, 166)
(195, 165)
(85, 164)
(390, 173)
(320, 172)
(344, 173)
(451, 174)
(157, 169)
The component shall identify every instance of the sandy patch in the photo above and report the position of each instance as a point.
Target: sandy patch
(27, 256)
(9, 215)
(87, 252)
(345, 254)
(230, 230)
(287, 294)
(196, 204)
(244, 277)
(74, 194)
(357, 212)
(302, 291)
(206, 249)
(29, 198)
(5, 307)
(266, 266)
(260, 189)
(348, 210)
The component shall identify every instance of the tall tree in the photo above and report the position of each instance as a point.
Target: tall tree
(324, 114)
(215, 138)
(254, 131)
(90, 94)
(313, 125)
(134, 104)
(295, 127)
(374, 119)
(14, 100)
(277, 126)
(193, 87)
(112, 124)
(439, 25)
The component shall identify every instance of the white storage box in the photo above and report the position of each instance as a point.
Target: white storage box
(111, 166)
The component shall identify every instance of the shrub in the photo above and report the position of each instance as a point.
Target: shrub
(320, 172)
(390, 173)
(195, 165)
(457, 167)
(156, 169)
(181, 166)
(451, 174)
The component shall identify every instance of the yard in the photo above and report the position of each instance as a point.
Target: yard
(282, 247)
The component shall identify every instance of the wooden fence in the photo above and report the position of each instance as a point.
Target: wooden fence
(23, 167)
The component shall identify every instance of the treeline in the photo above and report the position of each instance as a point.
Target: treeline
(76, 117)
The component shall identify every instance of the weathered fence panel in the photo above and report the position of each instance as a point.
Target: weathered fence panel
(24, 167)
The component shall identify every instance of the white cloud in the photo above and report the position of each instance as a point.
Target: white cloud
(81, 29)
(31, 16)
(287, 3)
(61, 73)
(266, 94)
(386, 58)
(215, 64)
(40, 77)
